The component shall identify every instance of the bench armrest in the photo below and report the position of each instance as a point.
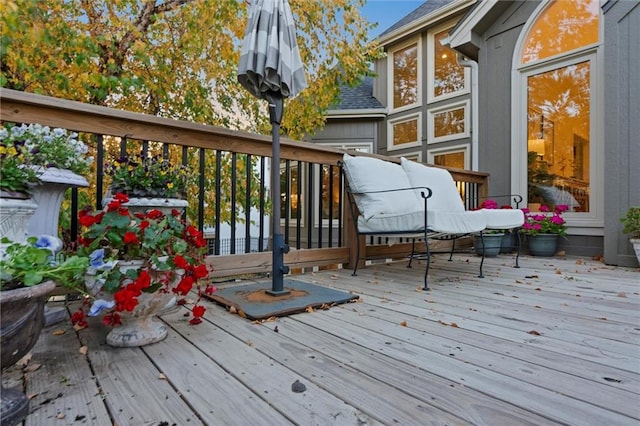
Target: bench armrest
(424, 191)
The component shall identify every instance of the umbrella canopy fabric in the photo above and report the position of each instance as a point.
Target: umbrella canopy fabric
(270, 59)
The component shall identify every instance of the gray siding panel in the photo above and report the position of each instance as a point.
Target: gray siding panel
(622, 125)
(496, 58)
(348, 131)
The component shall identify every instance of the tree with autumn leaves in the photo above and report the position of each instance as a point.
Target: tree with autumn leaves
(178, 59)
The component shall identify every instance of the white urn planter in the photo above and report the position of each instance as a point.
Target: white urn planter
(48, 195)
(139, 327)
(15, 214)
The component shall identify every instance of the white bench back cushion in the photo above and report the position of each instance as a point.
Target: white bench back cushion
(371, 174)
(445, 195)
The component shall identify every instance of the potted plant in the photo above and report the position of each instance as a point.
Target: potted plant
(631, 222)
(543, 229)
(29, 272)
(58, 158)
(139, 261)
(149, 182)
(507, 242)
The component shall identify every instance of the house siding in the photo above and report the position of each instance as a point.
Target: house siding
(348, 131)
(622, 125)
(495, 68)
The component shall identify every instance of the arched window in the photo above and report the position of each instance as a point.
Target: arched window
(556, 89)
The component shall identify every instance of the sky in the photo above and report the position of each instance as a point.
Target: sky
(387, 12)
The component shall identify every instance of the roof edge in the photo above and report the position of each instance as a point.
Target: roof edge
(425, 20)
(463, 32)
(357, 113)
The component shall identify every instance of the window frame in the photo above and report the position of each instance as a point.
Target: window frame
(404, 119)
(465, 148)
(431, 138)
(431, 72)
(390, 74)
(583, 223)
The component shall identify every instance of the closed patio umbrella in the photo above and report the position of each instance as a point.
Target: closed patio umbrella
(271, 69)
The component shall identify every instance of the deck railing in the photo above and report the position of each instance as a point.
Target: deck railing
(314, 216)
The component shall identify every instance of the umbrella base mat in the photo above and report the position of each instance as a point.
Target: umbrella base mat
(254, 301)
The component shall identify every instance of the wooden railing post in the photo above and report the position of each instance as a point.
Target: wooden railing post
(351, 237)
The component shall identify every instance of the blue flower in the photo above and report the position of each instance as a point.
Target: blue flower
(100, 305)
(49, 242)
(96, 261)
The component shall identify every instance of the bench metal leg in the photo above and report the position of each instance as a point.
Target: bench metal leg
(426, 270)
(355, 268)
(517, 231)
(483, 251)
(453, 247)
(413, 252)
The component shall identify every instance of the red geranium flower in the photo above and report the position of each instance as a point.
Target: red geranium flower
(181, 262)
(130, 238)
(112, 319)
(200, 271)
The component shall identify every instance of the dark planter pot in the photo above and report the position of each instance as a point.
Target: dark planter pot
(22, 319)
(509, 242)
(543, 244)
(492, 244)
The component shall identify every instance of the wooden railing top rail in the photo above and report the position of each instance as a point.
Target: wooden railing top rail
(26, 107)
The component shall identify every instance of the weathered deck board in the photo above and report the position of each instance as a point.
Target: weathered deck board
(501, 377)
(395, 357)
(63, 388)
(269, 379)
(408, 378)
(131, 385)
(205, 385)
(346, 382)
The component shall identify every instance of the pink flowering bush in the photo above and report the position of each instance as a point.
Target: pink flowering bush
(492, 204)
(545, 221)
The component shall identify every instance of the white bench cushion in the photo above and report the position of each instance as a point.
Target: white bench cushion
(445, 194)
(464, 222)
(371, 174)
(503, 218)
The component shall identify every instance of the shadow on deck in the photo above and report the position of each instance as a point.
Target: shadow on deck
(555, 342)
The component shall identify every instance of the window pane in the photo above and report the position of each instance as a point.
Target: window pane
(453, 159)
(562, 27)
(448, 122)
(334, 196)
(405, 132)
(558, 124)
(448, 75)
(293, 190)
(405, 76)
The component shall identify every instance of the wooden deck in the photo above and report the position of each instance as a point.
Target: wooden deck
(554, 342)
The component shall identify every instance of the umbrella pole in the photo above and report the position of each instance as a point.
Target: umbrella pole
(276, 106)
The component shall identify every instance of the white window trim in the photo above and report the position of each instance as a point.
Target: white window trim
(464, 148)
(431, 72)
(413, 156)
(405, 118)
(577, 221)
(355, 146)
(431, 117)
(418, 42)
